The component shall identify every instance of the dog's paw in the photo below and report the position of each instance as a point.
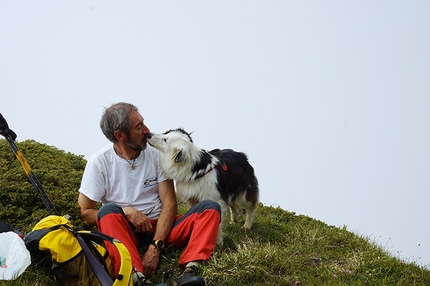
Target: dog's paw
(247, 226)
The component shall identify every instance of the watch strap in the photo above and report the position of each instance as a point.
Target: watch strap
(159, 244)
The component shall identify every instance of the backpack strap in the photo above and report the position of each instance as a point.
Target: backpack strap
(4, 227)
(99, 271)
(126, 267)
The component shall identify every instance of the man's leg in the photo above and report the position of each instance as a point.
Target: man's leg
(196, 230)
(112, 221)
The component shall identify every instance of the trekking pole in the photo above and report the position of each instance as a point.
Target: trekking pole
(10, 137)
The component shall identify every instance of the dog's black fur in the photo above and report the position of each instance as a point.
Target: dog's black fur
(239, 175)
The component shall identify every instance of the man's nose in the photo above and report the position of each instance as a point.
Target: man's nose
(146, 129)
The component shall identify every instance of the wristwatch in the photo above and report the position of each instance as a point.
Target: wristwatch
(159, 244)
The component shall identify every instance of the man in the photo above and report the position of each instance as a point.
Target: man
(139, 204)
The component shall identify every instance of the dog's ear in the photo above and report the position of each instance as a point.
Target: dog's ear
(179, 156)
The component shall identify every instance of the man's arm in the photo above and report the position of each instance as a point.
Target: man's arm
(169, 211)
(168, 215)
(87, 211)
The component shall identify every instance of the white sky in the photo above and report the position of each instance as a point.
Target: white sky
(329, 99)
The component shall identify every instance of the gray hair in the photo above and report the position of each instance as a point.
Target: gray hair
(116, 118)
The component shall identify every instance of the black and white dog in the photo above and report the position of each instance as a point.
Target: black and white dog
(224, 175)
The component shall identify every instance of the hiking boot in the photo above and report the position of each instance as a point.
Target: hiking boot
(190, 277)
(140, 280)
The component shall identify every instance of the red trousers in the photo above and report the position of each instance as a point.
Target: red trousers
(196, 230)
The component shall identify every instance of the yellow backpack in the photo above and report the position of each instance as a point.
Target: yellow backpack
(78, 256)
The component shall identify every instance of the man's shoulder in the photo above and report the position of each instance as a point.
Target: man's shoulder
(102, 154)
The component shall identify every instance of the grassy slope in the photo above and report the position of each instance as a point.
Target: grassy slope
(287, 249)
(281, 249)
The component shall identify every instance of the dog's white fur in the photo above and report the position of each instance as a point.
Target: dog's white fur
(178, 159)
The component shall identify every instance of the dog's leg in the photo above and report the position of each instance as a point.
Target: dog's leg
(235, 212)
(250, 215)
(224, 210)
(220, 236)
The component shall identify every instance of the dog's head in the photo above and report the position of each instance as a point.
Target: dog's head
(174, 143)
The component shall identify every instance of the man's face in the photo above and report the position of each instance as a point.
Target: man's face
(138, 132)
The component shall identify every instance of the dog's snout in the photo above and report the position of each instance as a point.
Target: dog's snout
(149, 135)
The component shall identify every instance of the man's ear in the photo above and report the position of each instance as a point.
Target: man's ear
(120, 135)
(178, 155)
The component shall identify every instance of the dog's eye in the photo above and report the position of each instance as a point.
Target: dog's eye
(164, 139)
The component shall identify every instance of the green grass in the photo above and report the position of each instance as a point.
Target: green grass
(285, 249)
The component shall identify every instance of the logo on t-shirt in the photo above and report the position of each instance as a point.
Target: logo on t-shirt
(150, 182)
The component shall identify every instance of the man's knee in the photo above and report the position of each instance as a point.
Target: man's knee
(206, 205)
(109, 209)
(211, 207)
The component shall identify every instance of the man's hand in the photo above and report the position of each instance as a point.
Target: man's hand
(140, 221)
(150, 261)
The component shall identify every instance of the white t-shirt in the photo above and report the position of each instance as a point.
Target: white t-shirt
(108, 178)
